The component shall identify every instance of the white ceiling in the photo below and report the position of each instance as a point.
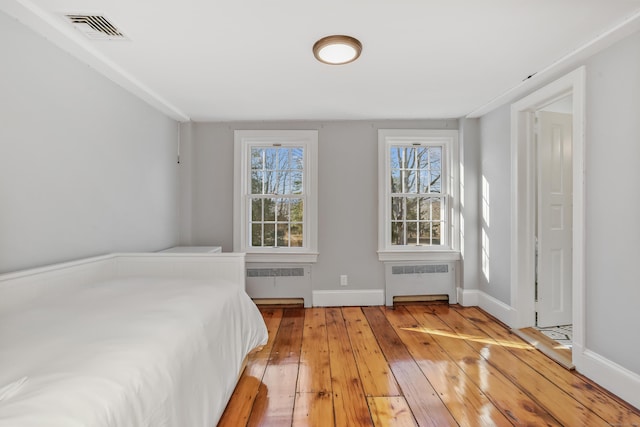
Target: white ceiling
(223, 60)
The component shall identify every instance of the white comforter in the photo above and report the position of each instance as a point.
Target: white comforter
(125, 352)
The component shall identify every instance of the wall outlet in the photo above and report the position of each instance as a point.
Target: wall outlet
(344, 280)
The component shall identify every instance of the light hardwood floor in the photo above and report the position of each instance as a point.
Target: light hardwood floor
(425, 365)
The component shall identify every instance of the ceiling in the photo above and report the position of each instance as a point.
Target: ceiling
(232, 60)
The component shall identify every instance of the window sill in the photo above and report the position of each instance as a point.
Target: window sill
(306, 257)
(432, 255)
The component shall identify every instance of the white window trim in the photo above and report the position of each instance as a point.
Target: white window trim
(243, 139)
(447, 138)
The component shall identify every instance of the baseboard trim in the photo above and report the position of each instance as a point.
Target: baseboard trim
(354, 297)
(498, 309)
(468, 297)
(615, 378)
(495, 307)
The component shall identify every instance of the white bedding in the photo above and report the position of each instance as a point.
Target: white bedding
(125, 352)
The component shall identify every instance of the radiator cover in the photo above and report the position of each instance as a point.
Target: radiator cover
(279, 281)
(420, 278)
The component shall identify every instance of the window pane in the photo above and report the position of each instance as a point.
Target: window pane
(256, 234)
(435, 158)
(412, 233)
(283, 158)
(397, 233)
(283, 182)
(423, 182)
(295, 179)
(425, 233)
(409, 158)
(397, 208)
(256, 182)
(412, 208)
(396, 182)
(269, 209)
(396, 156)
(256, 158)
(269, 234)
(296, 235)
(435, 183)
(270, 158)
(256, 210)
(270, 182)
(409, 181)
(296, 210)
(436, 209)
(297, 158)
(283, 210)
(435, 233)
(283, 235)
(423, 157)
(425, 209)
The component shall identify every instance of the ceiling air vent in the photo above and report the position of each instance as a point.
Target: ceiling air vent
(96, 27)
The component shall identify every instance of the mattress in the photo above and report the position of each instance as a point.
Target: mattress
(125, 352)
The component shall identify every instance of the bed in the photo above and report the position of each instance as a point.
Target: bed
(125, 340)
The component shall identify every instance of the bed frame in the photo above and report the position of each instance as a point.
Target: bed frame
(28, 284)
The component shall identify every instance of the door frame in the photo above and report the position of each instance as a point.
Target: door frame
(523, 207)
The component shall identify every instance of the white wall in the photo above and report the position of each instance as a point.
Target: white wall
(612, 144)
(85, 167)
(495, 168)
(348, 193)
(469, 203)
(613, 203)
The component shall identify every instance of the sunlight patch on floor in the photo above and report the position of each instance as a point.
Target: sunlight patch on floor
(474, 338)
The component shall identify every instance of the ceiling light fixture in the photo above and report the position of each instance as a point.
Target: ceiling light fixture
(337, 50)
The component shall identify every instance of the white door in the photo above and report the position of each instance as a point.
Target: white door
(554, 219)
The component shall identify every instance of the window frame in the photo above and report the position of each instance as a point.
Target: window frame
(244, 140)
(448, 140)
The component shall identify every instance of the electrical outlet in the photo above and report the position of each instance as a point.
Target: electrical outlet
(344, 280)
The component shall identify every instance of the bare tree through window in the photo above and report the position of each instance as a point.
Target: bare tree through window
(277, 205)
(417, 202)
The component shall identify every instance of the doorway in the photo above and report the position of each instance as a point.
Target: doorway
(554, 235)
(560, 266)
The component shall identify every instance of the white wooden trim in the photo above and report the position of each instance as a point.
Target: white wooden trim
(6, 277)
(308, 139)
(227, 266)
(496, 308)
(28, 284)
(493, 306)
(621, 381)
(307, 257)
(356, 297)
(523, 203)
(409, 255)
(450, 185)
(468, 297)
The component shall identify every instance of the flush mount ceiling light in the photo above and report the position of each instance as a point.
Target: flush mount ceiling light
(337, 50)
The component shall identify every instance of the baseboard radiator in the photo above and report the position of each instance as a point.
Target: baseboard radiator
(279, 283)
(420, 281)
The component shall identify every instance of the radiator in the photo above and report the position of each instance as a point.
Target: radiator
(420, 278)
(279, 281)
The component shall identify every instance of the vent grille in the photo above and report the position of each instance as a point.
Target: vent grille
(420, 269)
(275, 272)
(96, 27)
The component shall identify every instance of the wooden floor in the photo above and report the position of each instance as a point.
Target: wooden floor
(423, 365)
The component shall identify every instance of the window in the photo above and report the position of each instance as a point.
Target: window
(275, 198)
(418, 186)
